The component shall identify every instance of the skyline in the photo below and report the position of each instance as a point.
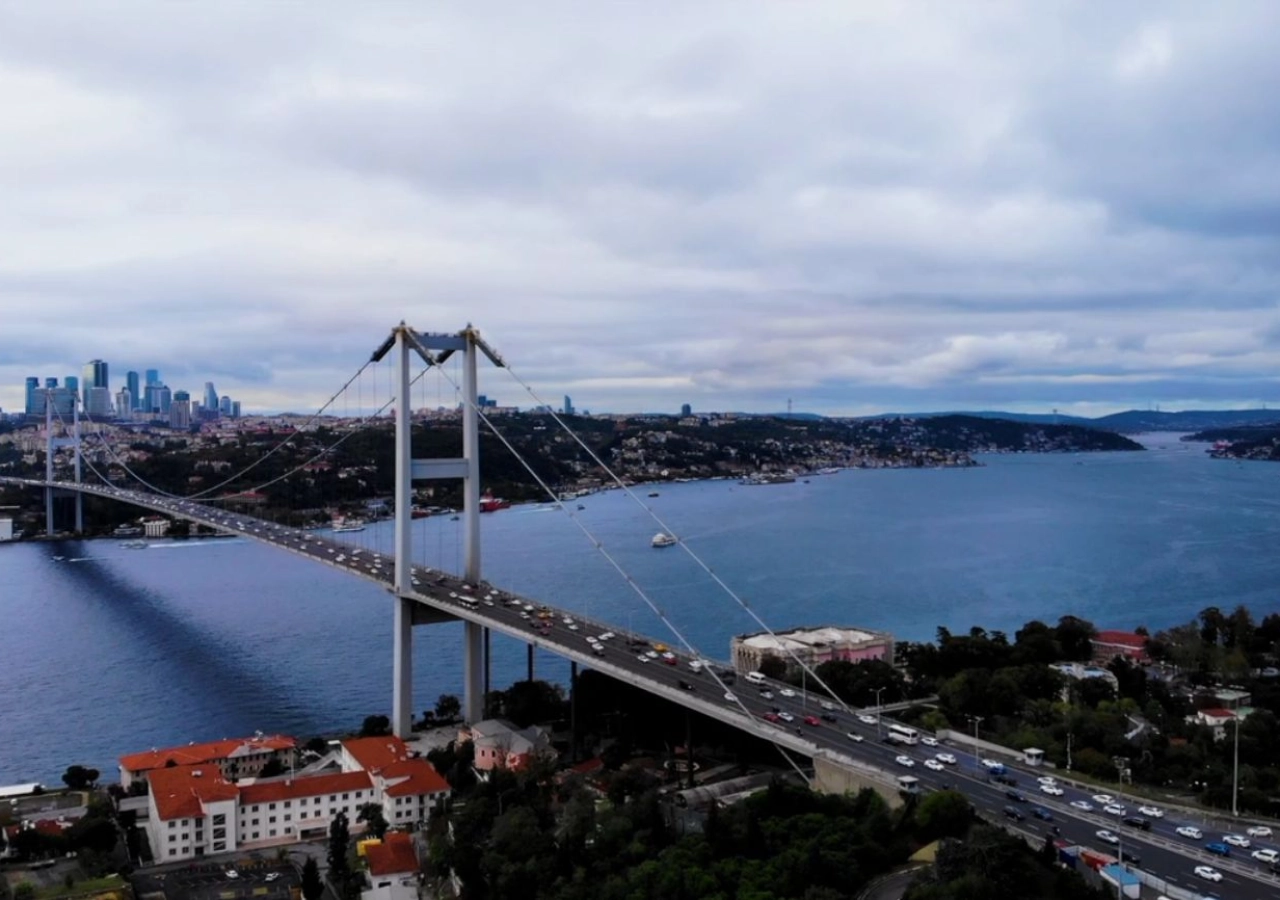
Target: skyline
(887, 207)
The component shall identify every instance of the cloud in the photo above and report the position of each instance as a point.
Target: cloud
(855, 206)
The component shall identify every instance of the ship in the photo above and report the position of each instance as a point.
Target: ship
(126, 531)
(490, 503)
(342, 525)
(135, 545)
(662, 539)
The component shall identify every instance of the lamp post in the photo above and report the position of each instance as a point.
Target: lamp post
(976, 720)
(1235, 771)
(879, 691)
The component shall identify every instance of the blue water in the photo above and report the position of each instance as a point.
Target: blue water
(111, 650)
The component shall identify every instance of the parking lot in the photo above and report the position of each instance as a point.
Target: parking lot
(256, 879)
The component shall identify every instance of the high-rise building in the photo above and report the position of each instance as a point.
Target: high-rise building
(94, 374)
(164, 398)
(153, 376)
(131, 382)
(98, 403)
(72, 383)
(180, 410)
(50, 383)
(224, 405)
(568, 405)
(33, 396)
(124, 403)
(210, 396)
(235, 409)
(686, 410)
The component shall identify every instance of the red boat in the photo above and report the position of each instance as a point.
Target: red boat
(490, 503)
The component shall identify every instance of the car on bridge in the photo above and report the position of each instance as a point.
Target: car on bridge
(1014, 813)
(1052, 790)
(934, 765)
(854, 736)
(1113, 809)
(1186, 831)
(1267, 855)
(1153, 812)
(1107, 837)
(1082, 805)
(1137, 822)
(903, 760)
(786, 716)
(867, 719)
(929, 741)
(1258, 831)
(1041, 813)
(771, 717)
(811, 720)
(947, 758)
(1236, 840)
(1219, 849)
(1208, 873)
(1016, 796)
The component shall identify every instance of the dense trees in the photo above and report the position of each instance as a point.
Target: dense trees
(371, 815)
(993, 865)
(312, 885)
(80, 777)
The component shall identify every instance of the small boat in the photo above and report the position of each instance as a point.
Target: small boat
(580, 506)
(135, 545)
(453, 518)
(344, 525)
(662, 539)
(653, 493)
(490, 503)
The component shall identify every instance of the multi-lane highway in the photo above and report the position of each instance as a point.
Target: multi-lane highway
(800, 722)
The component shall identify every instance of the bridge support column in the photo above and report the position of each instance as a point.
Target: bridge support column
(573, 712)
(529, 677)
(473, 666)
(488, 659)
(402, 664)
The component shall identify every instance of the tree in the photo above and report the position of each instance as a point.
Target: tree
(272, 768)
(774, 667)
(371, 815)
(944, 814)
(339, 845)
(448, 708)
(1073, 636)
(312, 886)
(80, 777)
(375, 726)
(24, 891)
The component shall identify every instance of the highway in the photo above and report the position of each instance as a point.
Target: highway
(854, 737)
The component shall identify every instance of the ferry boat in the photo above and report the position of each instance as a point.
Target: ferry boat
(662, 539)
(490, 503)
(344, 525)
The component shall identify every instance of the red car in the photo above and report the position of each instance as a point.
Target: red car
(671, 660)
(771, 717)
(811, 720)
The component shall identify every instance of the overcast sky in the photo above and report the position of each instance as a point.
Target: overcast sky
(859, 206)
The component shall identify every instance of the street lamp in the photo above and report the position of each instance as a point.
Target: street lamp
(976, 720)
(1235, 771)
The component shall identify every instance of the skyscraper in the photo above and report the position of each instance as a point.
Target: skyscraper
(33, 396)
(224, 405)
(98, 404)
(72, 383)
(210, 396)
(153, 376)
(163, 399)
(686, 410)
(94, 375)
(568, 405)
(131, 382)
(180, 410)
(124, 403)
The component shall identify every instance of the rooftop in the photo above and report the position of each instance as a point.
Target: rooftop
(179, 792)
(308, 786)
(374, 753)
(811, 637)
(210, 751)
(394, 856)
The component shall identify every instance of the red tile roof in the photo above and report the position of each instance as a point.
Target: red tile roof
(1121, 638)
(307, 786)
(394, 856)
(374, 753)
(420, 777)
(1218, 713)
(208, 752)
(180, 792)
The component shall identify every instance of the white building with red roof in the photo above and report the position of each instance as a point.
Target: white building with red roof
(195, 810)
(235, 757)
(393, 869)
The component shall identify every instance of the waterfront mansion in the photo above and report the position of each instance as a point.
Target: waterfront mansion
(195, 809)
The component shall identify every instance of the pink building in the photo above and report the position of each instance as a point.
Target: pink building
(812, 645)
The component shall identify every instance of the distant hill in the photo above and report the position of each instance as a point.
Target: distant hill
(1127, 422)
(1190, 420)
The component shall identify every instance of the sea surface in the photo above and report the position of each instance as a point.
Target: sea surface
(106, 650)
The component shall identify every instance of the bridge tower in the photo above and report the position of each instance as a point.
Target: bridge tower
(51, 444)
(409, 612)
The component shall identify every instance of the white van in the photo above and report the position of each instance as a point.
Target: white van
(755, 677)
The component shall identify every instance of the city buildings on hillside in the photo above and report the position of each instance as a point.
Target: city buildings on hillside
(812, 646)
(196, 810)
(134, 402)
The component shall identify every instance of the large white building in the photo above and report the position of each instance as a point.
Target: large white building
(195, 810)
(812, 645)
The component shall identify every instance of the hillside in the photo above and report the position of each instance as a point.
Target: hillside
(1258, 442)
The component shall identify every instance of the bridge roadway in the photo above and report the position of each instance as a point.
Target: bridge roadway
(847, 736)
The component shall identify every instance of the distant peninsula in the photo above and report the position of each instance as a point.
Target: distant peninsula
(1256, 442)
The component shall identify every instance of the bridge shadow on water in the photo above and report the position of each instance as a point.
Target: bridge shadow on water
(191, 665)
